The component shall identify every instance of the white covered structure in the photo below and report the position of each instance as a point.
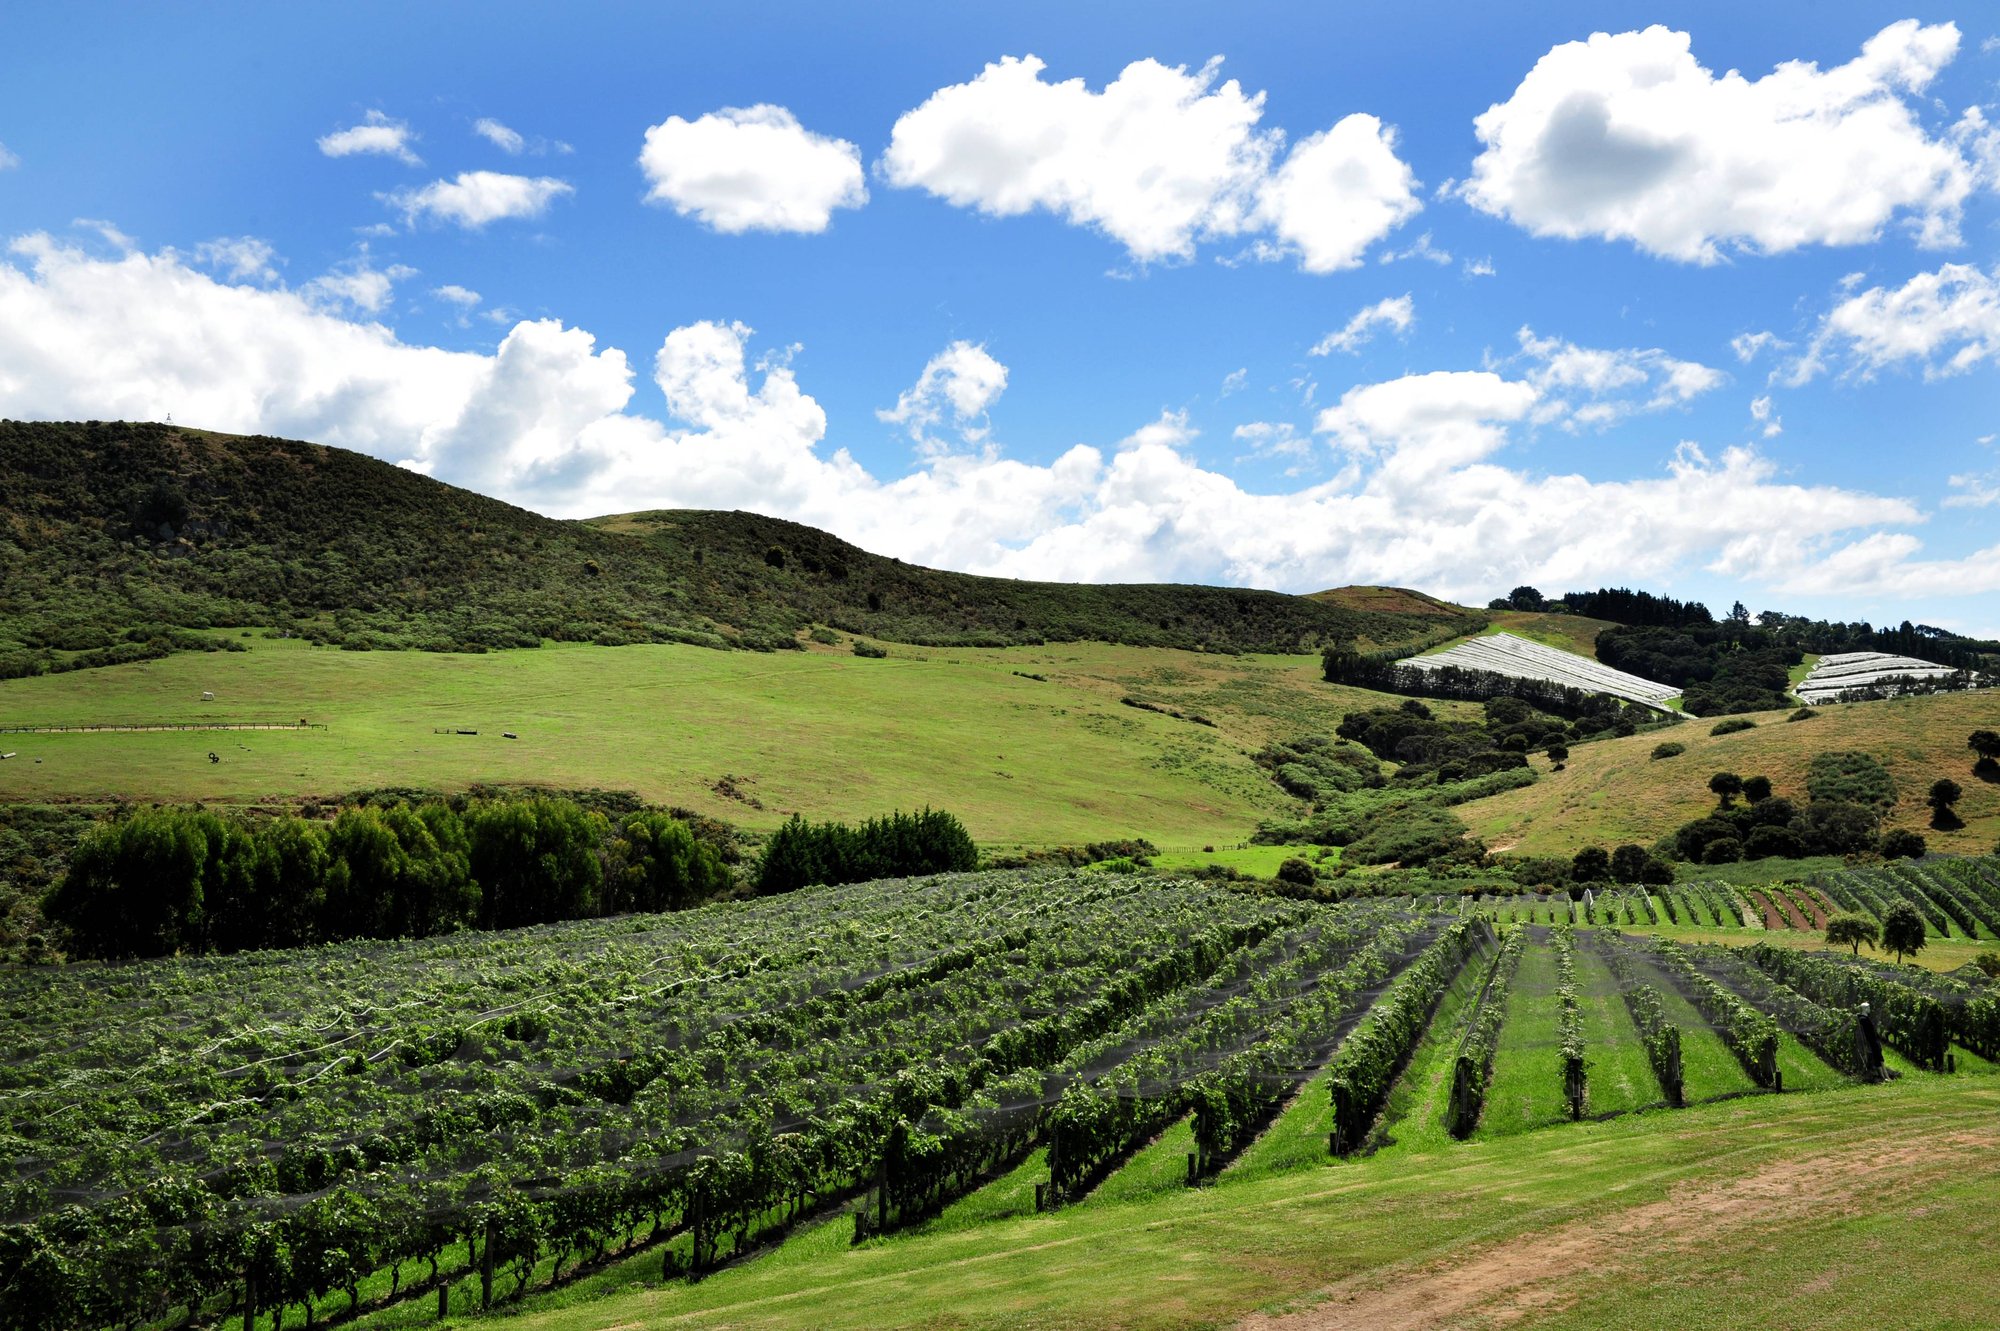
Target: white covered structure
(1505, 654)
(1833, 675)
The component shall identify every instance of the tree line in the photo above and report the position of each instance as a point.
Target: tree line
(187, 880)
(902, 845)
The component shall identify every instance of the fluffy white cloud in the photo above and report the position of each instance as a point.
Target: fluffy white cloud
(376, 135)
(1338, 192)
(1480, 268)
(1420, 248)
(1627, 136)
(751, 169)
(1397, 312)
(1612, 383)
(1160, 159)
(476, 198)
(1947, 322)
(1889, 564)
(961, 382)
(463, 297)
(1422, 498)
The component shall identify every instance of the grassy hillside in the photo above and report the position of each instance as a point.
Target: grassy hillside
(1615, 791)
(1058, 759)
(1709, 1217)
(116, 535)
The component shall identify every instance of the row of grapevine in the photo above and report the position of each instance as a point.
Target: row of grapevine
(1472, 1069)
(1228, 1062)
(1749, 1034)
(1956, 897)
(1969, 1011)
(1912, 1023)
(1835, 1034)
(1368, 1062)
(1661, 1036)
(1569, 1028)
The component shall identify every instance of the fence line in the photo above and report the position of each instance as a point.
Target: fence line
(61, 727)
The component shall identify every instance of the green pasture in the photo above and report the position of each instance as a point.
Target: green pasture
(1711, 1217)
(748, 737)
(1257, 861)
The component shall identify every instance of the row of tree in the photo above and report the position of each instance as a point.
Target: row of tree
(166, 880)
(903, 845)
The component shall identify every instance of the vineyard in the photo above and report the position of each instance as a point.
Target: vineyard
(1958, 898)
(443, 1124)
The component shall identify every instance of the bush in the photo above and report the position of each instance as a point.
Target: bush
(1803, 714)
(1735, 725)
(1297, 871)
(1722, 850)
(1673, 748)
(869, 649)
(1852, 778)
(1988, 962)
(903, 845)
(1903, 844)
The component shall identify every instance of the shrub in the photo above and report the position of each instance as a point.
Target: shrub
(1803, 714)
(1733, 726)
(1672, 748)
(1854, 778)
(1903, 844)
(869, 649)
(1722, 850)
(1988, 962)
(1297, 871)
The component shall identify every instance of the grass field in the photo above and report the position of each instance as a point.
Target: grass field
(1771, 1211)
(1614, 791)
(1023, 761)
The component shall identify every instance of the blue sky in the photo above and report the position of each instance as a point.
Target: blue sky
(1439, 296)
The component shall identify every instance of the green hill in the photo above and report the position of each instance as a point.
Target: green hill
(118, 538)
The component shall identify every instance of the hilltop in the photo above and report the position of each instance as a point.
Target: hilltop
(119, 538)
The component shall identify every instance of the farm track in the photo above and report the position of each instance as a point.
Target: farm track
(1516, 1280)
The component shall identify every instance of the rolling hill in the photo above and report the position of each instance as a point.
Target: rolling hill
(1614, 791)
(121, 537)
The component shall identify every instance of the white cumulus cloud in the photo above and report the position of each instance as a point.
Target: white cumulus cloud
(959, 383)
(751, 168)
(239, 258)
(1159, 160)
(1946, 323)
(1394, 312)
(376, 135)
(507, 140)
(1611, 383)
(475, 198)
(1627, 136)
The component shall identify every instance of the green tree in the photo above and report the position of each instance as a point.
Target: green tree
(1985, 743)
(1903, 930)
(1726, 786)
(1851, 930)
(659, 865)
(1559, 755)
(1591, 865)
(1628, 864)
(535, 860)
(1903, 844)
(1525, 598)
(1756, 789)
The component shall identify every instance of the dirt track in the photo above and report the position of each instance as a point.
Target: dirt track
(1504, 1284)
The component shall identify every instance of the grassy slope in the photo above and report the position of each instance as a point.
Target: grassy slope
(1717, 1217)
(1614, 792)
(824, 732)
